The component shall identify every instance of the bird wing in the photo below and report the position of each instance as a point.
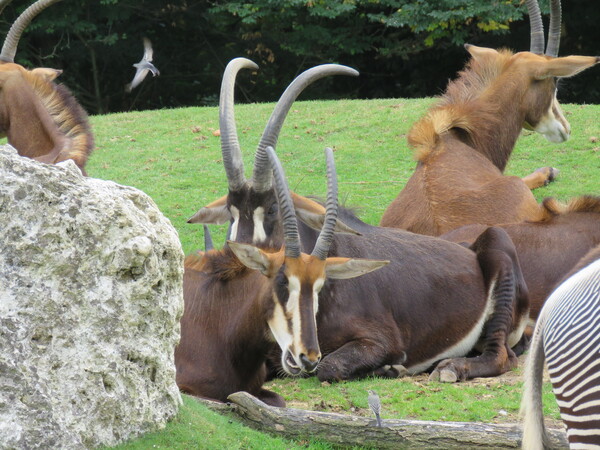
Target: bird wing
(140, 74)
(147, 50)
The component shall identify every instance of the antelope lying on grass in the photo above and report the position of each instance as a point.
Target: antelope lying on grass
(233, 314)
(463, 144)
(549, 249)
(41, 119)
(434, 301)
(567, 336)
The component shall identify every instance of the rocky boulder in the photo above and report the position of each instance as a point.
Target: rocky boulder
(90, 301)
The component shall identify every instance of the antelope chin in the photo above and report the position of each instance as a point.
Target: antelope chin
(289, 364)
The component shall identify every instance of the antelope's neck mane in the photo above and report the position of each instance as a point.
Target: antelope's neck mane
(474, 107)
(68, 115)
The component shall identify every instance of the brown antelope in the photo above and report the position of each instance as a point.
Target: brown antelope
(550, 248)
(462, 145)
(41, 119)
(435, 300)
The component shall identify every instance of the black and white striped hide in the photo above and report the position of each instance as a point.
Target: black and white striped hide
(567, 336)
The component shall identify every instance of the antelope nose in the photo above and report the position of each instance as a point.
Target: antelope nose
(308, 364)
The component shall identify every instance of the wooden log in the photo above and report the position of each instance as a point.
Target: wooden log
(348, 430)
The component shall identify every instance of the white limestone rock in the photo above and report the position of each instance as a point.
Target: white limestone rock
(90, 301)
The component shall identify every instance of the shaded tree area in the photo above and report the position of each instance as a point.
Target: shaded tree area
(402, 48)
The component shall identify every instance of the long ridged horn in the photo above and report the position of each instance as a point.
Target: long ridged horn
(261, 178)
(286, 207)
(537, 27)
(331, 207)
(208, 242)
(4, 4)
(230, 146)
(554, 29)
(9, 49)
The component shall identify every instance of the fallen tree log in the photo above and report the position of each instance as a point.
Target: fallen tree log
(348, 430)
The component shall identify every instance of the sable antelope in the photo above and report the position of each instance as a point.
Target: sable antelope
(41, 119)
(462, 145)
(143, 67)
(233, 314)
(567, 336)
(550, 248)
(435, 300)
(250, 205)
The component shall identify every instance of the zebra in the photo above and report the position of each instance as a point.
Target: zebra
(567, 335)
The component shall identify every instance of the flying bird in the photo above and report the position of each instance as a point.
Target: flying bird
(375, 405)
(143, 67)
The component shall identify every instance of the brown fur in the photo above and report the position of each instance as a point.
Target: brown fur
(548, 249)
(41, 119)
(224, 334)
(69, 117)
(463, 144)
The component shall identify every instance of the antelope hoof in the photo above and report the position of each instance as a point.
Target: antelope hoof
(450, 371)
(550, 173)
(443, 376)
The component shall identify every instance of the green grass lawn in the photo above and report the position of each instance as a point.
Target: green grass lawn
(174, 157)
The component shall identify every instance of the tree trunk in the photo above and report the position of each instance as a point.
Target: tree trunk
(347, 430)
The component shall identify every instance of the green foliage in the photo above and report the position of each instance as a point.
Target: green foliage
(403, 48)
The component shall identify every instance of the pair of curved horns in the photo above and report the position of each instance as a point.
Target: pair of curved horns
(537, 28)
(230, 147)
(288, 215)
(9, 49)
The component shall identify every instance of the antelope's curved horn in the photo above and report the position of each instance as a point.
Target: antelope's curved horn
(537, 27)
(261, 178)
(4, 4)
(9, 49)
(230, 146)
(208, 242)
(331, 207)
(554, 29)
(286, 207)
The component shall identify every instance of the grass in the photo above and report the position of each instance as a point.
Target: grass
(174, 156)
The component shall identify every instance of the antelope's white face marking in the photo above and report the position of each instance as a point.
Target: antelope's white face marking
(235, 213)
(316, 289)
(258, 218)
(553, 125)
(286, 325)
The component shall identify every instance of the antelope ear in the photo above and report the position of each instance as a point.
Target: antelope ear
(480, 52)
(253, 257)
(566, 66)
(46, 73)
(313, 215)
(215, 212)
(343, 268)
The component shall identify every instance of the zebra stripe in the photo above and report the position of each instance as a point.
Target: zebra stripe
(568, 335)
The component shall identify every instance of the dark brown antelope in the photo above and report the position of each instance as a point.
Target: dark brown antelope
(233, 315)
(251, 206)
(462, 145)
(548, 249)
(435, 300)
(41, 119)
